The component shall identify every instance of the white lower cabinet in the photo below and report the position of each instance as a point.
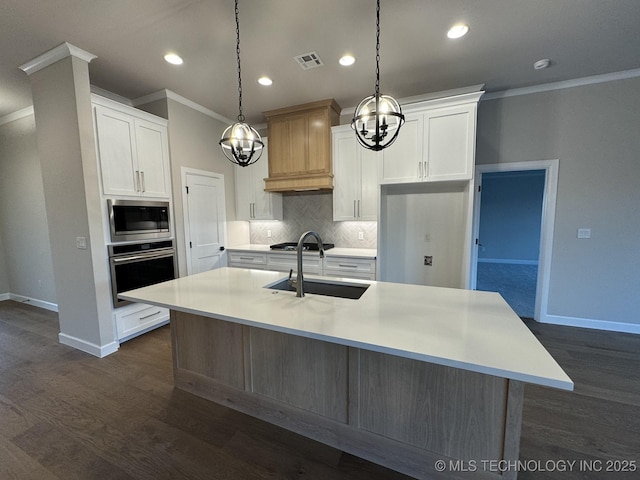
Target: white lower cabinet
(242, 259)
(138, 317)
(350, 267)
(283, 262)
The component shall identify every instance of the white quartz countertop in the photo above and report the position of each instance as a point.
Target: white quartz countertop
(369, 253)
(465, 329)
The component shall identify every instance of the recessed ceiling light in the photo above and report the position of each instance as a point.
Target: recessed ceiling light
(458, 31)
(173, 58)
(347, 60)
(266, 81)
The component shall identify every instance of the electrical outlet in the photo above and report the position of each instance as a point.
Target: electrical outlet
(268, 233)
(81, 243)
(360, 235)
(428, 260)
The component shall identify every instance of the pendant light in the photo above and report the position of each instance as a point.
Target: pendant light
(378, 118)
(240, 142)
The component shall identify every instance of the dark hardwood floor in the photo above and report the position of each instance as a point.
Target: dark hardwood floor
(67, 415)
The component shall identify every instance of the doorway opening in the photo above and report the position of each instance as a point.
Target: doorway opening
(513, 229)
(510, 221)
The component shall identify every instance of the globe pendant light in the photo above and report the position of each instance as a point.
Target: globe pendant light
(240, 142)
(378, 118)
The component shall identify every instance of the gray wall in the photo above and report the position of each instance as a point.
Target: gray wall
(593, 131)
(4, 277)
(25, 253)
(510, 215)
(193, 143)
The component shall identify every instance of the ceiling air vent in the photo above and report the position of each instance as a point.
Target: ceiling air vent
(308, 60)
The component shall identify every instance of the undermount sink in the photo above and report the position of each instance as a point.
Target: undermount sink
(324, 287)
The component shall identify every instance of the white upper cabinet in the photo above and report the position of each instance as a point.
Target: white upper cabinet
(355, 182)
(449, 143)
(402, 161)
(133, 151)
(252, 202)
(151, 145)
(436, 143)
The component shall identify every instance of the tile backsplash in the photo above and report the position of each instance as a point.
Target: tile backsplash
(313, 211)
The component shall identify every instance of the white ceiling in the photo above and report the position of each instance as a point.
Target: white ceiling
(581, 37)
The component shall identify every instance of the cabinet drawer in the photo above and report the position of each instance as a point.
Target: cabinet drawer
(247, 259)
(347, 265)
(284, 262)
(139, 317)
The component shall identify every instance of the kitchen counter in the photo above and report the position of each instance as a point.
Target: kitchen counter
(406, 376)
(472, 330)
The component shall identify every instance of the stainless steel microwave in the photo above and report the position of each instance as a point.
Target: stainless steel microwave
(134, 220)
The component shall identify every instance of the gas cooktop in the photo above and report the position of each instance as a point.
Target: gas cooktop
(293, 246)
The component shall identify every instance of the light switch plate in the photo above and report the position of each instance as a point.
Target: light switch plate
(81, 243)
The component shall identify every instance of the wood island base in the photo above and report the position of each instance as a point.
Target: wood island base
(398, 412)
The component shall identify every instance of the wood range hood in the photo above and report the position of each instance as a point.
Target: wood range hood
(300, 146)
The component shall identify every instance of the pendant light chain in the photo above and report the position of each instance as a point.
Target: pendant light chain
(241, 143)
(240, 115)
(378, 49)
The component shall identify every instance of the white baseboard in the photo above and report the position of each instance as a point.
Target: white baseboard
(591, 323)
(88, 347)
(508, 260)
(4, 296)
(33, 301)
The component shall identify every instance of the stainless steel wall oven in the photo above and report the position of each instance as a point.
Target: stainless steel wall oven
(137, 265)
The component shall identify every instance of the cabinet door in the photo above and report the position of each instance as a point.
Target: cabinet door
(266, 205)
(450, 142)
(279, 147)
(319, 142)
(346, 180)
(244, 191)
(117, 152)
(370, 184)
(402, 161)
(153, 156)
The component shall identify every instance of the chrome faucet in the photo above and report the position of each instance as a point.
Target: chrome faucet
(298, 283)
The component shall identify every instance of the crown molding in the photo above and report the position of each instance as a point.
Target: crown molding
(54, 55)
(12, 117)
(577, 82)
(428, 97)
(110, 95)
(168, 94)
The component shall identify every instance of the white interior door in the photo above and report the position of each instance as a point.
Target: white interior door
(205, 220)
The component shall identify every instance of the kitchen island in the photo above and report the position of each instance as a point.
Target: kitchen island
(405, 376)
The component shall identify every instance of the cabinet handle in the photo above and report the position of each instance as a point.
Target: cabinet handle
(346, 265)
(143, 186)
(358, 208)
(419, 169)
(425, 169)
(150, 315)
(247, 258)
(137, 180)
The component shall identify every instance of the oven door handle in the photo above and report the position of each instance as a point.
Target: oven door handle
(135, 258)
